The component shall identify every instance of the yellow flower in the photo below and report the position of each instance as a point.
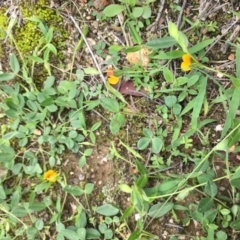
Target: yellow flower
(50, 176)
(187, 61)
(113, 79)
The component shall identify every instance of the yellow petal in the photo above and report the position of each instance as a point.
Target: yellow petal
(185, 66)
(187, 58)
(113, 80)
(50, 176)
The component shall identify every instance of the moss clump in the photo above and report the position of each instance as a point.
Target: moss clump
(3, 23)
(27, 36)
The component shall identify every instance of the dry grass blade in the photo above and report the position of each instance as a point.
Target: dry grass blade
(89, 48)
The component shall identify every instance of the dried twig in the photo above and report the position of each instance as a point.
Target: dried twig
(221, 36)
(89, 48)
(234, 34)
(159, 14)
(207, 7)
(181, 13)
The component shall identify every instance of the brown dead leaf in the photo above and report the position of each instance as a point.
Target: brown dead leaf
(128, 88)
(231, 57)
(110, 71)
(100, 4)
(139, 57)
(37, 132)
(232, 148)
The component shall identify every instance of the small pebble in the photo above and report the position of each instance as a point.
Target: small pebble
(222, 189)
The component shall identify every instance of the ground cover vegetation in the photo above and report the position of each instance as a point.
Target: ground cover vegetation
(119, 120)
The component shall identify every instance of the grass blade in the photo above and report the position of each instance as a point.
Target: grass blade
(233, 107)
(198, 103)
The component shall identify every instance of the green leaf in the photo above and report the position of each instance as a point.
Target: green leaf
(91, 71)
(143, 143)
(117, 122)
(177, 108)
(74, 190)
(234, 137)
(201, 45)
(128, 212)
(131, 2)
(49, 35)
(6, 76)
(161, 43)
(39, 224)
(137, 12)
(108, 234)
(7, 154)
(147, 133)
(141, 168)
(113, 9)
(107, 210)
(49, 82)
(235, 81)
(160, 209)
(82, 161)
(134, 33)
(198, 103)
(233, 107)
(141, 181)
(47, 102)
(183, 194)
(31, 232)
(157, 144)
(110, 104)
(173, 30)
(2, 193)
(125, 188)
(168, 186)
(102, 227)
(10, 135)
(36, 59)
(23, 142)
(170, 100)
(89, 188)
(146, 12)
(95, 126)
(221, 235)
(72, 92)
(92, 233)
(115, 92)
(188, 107)
(37, 206)
(168, 75)
(14, 64)
(169, 55)
(52, 48)
(211, 188)
(235, 179)
(193, 80)
(205, 204)
(182, 41)
(235, 225)
(135, 235)
(69, 234)
(80, 74)
(19, 212)
(131, 150)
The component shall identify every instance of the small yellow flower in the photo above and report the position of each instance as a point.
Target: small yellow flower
(50, 176)
(113, 79)
(187, 61)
